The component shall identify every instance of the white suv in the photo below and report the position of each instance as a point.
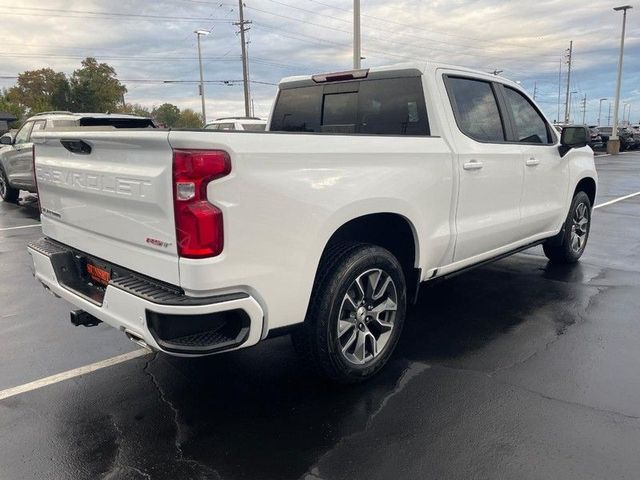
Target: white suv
(251, 124)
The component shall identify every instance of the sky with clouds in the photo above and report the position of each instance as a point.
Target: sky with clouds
(152, 42)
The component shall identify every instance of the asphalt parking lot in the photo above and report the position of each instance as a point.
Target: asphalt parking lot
(519, 370)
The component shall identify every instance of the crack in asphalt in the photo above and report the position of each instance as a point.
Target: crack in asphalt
(534, 392)
(414, 369)
(569, 402)
(580, 313)
(180, 457)
(117, 466)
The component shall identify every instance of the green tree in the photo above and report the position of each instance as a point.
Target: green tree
(8, 105)
(95, 88)
(134, 109)
(41, 90)
(166, 114)
(189, 119)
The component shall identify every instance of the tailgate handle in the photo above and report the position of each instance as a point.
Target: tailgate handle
(77, 146)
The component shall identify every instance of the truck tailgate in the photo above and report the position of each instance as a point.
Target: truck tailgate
(109, 194)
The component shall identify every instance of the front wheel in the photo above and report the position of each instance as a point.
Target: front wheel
(569, 246)
(356, 313)
(7, 192)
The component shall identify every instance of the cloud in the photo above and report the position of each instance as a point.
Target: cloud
(148, 42)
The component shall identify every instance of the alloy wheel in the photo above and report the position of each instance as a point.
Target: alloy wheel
(579, 227)
(367, 315)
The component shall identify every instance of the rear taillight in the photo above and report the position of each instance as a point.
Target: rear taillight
(199, 231)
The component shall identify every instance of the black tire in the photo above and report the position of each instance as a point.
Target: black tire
(563, 247)
(7, 192)
(318, 341)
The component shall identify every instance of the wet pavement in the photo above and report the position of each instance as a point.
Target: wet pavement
(519, 369)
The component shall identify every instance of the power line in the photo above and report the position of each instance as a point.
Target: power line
(397, 32)
(10, 11)
(405, 25)
(154, 81)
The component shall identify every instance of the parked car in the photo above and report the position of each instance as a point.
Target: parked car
(252, 124)
(368, 183)
(16, 149)
(627, 140)
(595, 140)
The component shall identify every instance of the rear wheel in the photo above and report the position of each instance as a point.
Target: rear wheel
(356, 313)
(7, 192)
(570, 245)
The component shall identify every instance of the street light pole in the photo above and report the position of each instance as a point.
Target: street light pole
(624, 112)
(600, 110)
(613, 145)
(356, 35)
(199, 33)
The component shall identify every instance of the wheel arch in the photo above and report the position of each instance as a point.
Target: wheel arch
(390, 230)
(587, 185)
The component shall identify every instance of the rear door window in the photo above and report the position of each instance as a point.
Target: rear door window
(476, 109)
(393, 106)
(38, 126)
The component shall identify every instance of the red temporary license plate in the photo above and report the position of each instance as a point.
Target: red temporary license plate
(98, 275)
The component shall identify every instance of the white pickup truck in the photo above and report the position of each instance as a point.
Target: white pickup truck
(369, 182)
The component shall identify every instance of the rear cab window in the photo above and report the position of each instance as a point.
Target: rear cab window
(386, 106)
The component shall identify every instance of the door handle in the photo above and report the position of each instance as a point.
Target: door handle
(532, 162)
(473, 165)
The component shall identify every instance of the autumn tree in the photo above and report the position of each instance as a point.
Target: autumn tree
(40, 90)
(134, 109)
(10, 106)
(166, 114)
(189, 119)
(95, 87)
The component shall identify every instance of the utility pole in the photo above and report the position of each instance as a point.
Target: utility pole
(559, 90)
(600, 110)
(613, 145)
(609, 117)
(356, 35)
(535, 89)
(566, 101)
(584, 108)
(200, 33)
(569, 107)
(245, 72)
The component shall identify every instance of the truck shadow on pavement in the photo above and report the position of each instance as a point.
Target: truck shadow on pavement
(260, 413)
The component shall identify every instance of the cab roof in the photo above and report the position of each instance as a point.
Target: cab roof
(409, 69)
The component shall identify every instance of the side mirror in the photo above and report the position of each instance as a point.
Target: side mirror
(6, 139)
(573, 137)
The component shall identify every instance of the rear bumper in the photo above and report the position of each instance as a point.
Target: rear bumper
(163, 318)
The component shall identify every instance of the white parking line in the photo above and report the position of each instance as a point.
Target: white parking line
(76, 372)
(616, 200)
(18, 228)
